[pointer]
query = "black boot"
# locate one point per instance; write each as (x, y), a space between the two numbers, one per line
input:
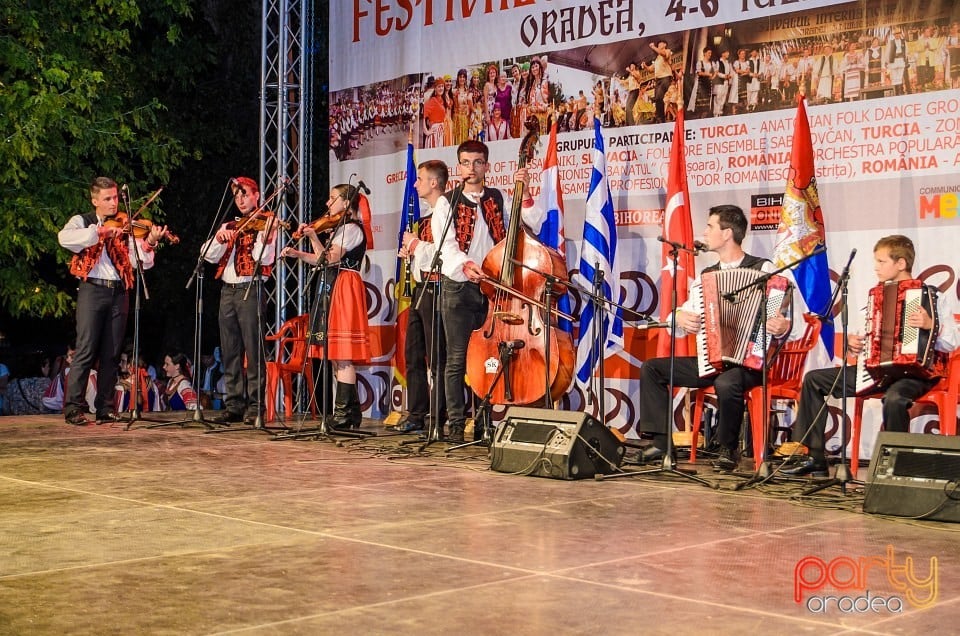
(341, 406)
(354, 412)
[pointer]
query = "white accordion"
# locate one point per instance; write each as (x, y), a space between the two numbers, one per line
(732, 328)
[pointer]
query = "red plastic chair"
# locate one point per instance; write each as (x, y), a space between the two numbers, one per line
(943, 396)
(291, 359)
(784, 379)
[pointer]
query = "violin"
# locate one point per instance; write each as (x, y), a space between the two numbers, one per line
(322, 223)
(141, 227)
(256, 222)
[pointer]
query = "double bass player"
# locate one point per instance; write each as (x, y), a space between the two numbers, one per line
(479, 223)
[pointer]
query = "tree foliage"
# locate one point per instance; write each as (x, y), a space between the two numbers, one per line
(120, 88)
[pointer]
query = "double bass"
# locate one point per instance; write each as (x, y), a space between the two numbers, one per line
(515, 329)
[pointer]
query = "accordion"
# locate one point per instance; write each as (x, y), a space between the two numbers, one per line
(731, 329)
(891, 348)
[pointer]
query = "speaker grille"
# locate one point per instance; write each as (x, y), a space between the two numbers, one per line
(926, 465)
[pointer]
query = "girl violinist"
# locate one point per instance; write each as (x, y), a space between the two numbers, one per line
(346, 329)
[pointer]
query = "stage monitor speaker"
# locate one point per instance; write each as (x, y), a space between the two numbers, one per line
(557, 444)
(914, 475)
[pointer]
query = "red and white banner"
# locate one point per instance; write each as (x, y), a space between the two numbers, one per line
(881, 78)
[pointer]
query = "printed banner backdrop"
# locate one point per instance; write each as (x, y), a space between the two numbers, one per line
(881, 79)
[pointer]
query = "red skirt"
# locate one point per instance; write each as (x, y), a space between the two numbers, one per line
(348, 330)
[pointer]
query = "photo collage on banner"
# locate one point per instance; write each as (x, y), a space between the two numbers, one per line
(881, 82)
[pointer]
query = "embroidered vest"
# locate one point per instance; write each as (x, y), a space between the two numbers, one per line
(243, 262)
(425, 232)
(354, 258)
(82, 263)
(491, 203)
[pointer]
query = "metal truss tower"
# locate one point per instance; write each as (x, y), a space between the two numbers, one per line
(286, 104)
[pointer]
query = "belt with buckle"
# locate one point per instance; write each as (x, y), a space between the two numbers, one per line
(106, 282)
(236, 285)
(427, 277)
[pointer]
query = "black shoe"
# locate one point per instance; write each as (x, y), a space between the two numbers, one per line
(650, 455)
(455, 436)
(809, 466)
(106, 416)
(77, 419)
(727, 460)
(227, 418)
(409, 426)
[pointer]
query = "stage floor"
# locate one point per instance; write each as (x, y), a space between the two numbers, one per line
(173, 531)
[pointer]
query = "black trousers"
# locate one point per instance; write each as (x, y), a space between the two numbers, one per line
(101, 322)
(811, 424)
(462, 309)
(418, 353)
(656, 402)
(241, 335)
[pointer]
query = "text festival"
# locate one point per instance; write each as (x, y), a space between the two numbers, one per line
(556, 26)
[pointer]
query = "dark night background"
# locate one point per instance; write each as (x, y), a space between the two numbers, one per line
(192, 198)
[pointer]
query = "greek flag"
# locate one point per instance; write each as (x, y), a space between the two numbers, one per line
(598, 253)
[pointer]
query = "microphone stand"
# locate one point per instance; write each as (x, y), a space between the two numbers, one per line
(483, 416)
(197, 274)
(259, 358)
(434, 425)
(549, 281)
(842, 475)
(320, 314)
(669, 464)
(139, 282)
(763, 472)
(601, 304)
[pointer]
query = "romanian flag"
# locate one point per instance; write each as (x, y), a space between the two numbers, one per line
(411, 216)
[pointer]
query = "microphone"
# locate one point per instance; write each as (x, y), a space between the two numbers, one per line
(846, 268)
(236, 184)
(287, 184)
(513, 345)
(125, 188)
(700, 247)
(673, 244)
(362, 187)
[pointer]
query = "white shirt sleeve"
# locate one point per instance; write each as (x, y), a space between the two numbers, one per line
(75, 237)
(949, 337)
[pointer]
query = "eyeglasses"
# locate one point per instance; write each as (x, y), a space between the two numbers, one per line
(476, 163)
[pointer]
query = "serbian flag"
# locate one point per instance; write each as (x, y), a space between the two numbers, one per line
(551, 200)
(678, 227)
(410, 212)
(801, 232)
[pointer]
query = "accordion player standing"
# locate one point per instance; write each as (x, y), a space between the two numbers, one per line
(724, 234)
(893, 258)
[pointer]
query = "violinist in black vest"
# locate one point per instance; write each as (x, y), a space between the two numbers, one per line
(479, 224)
(103, 261)
(347, 331)
(238, 248)
(724, 234)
